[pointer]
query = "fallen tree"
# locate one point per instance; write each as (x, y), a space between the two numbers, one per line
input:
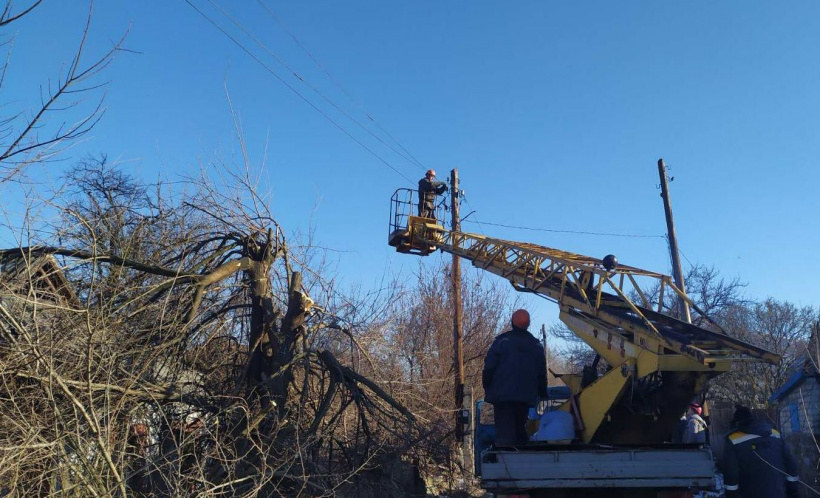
(170, 347)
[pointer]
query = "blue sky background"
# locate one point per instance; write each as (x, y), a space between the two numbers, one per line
(555, 114)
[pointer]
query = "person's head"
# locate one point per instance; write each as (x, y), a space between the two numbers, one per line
(431, 173)
(520, 320)
(695, 408)
(742, 416)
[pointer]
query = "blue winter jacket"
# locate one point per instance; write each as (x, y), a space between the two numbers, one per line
(758, 464)
(515, 369)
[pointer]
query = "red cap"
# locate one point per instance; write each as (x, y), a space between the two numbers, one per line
(431, 172)
(697, 408)
(521, 319)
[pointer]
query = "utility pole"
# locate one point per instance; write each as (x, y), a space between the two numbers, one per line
(458, 338)
(673, 240)
(458, 354)
(815, 336)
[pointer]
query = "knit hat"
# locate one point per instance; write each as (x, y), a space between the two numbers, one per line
(743, 415)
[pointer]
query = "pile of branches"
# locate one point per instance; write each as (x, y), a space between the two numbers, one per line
(172, 349)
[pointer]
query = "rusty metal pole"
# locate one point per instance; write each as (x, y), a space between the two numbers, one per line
(673, 240)
(458, 349)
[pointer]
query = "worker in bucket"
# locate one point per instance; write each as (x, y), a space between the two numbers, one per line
(695, 431)
(429, 188)
(514, 378)
(757, 462)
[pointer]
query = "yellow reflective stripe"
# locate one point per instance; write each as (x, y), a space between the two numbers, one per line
(742, 438)
(775, 433)
(732, 487)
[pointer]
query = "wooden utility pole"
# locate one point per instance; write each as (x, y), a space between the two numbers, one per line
(464, 403)
(458, 350)
(815, 337)
(673, 239)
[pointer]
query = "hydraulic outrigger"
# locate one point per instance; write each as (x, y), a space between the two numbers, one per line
(658, 363)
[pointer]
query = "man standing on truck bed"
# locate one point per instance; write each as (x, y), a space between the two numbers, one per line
(758, 464)
(695, 431)
(429, 188)
(514, 378)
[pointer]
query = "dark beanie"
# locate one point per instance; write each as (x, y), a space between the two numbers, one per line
(743, 415)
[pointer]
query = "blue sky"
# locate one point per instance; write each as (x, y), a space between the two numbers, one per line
(555, 114)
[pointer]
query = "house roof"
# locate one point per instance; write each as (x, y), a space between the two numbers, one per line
(807, 371)
(20, 273)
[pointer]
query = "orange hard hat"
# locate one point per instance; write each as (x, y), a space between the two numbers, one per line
(521, 319)
(431, 172)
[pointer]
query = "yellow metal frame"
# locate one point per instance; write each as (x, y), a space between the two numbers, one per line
(595, 400)
(596, 305)
(564, 277)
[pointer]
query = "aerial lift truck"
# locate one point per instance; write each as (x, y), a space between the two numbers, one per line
(624, 418)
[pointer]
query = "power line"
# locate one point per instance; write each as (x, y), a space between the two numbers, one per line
(294, 90)
(337, 82)
(472, 210)
(682, 254)
(577, 232)
(305, 81)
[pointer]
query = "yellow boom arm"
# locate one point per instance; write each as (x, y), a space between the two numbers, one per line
(658, 363)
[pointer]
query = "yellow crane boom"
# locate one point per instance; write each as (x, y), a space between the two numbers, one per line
(657, 362)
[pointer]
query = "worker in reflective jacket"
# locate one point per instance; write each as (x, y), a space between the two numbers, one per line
(695, 431)
(514, 378)
(429, 188)
(757, 462)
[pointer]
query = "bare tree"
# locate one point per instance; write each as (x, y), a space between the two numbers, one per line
(30, 134)
(778, 326)
(713, 295)
(180, 353)
(165, 343)
(419, 352)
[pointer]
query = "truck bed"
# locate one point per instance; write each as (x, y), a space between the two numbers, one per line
(505, 470)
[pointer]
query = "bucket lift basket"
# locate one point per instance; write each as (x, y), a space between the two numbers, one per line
(411, 234)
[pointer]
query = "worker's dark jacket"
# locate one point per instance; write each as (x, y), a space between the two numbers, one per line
(515, 369)
(758, 464)
(428, 190)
